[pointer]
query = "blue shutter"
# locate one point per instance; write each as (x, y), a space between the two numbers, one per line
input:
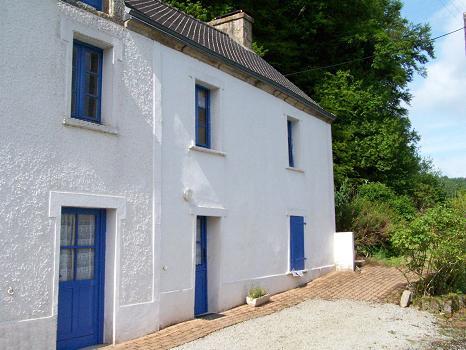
(290, 144)
(296, 243)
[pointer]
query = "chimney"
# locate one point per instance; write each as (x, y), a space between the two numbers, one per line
(238, 26)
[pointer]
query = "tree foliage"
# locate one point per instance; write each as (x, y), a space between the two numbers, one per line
(454, 186)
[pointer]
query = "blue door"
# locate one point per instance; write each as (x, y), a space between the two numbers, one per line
(200, 297)
(297, 243)
(81, 278)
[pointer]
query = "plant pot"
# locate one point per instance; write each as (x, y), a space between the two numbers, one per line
(258, 301)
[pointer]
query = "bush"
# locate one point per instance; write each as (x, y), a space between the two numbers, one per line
(372, 225)
(434, 245)
(375, 212)
(379, 193)
(376, 192)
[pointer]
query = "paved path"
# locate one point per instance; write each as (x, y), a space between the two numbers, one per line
(373, 283)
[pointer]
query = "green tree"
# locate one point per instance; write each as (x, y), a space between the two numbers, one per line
(369, 142)
(454, 186)
(200, 10)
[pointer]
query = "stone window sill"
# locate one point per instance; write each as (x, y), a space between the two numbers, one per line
(298, 273)
(207, 150)
(297, 170)
(82, 124)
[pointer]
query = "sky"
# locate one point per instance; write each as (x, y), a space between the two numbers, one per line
(438, 108)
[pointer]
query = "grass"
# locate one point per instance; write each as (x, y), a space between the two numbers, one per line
(383, 258)
(256, 292)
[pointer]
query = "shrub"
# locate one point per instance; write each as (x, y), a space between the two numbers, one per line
(375, 212)
(256, 292)
(404, 207)
(376, 192)
(434, 245)
(372, 225)
(379, 193)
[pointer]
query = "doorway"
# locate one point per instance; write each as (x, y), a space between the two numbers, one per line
(81, 278)
(200, 293)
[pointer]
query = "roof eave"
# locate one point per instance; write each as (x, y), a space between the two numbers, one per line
(327, 116)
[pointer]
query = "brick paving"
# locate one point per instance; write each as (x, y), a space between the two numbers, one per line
(372, 283)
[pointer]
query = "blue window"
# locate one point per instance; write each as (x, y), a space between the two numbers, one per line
(290, 144)
(297, 243)
(202, 117)
(86, 94)
(94, 3)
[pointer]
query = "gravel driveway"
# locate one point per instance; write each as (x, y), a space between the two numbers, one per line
(319, 324)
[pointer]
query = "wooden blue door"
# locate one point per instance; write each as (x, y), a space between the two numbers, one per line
(297, 243)
(81, 278)
(200, 293)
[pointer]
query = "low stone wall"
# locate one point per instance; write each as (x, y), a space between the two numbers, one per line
(444, 304)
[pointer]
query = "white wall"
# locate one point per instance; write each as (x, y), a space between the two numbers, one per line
(122, 167)
(251, 181)
(38, 154)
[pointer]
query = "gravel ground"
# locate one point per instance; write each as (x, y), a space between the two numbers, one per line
(319, 324)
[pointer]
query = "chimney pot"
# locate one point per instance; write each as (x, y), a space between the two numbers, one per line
(238, 26)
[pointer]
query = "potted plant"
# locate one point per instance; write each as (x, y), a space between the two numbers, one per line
(257, 296)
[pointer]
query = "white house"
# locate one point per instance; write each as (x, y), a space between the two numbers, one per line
(151, 169)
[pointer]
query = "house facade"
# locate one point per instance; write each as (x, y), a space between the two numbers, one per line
(151, 169)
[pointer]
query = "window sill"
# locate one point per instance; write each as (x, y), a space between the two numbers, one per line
(297, 170)
(297, 273)
(82, 124)
(207, 150)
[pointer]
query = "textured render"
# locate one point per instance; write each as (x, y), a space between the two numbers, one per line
(134, 179)
(38, 154)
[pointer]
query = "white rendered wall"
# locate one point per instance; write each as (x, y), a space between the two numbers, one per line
(344, 251)
(38, 155)
(150, 257)
(251, 182)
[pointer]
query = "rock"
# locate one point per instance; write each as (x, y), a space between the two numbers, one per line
(447, 307)
(462, 301)
(406, 298)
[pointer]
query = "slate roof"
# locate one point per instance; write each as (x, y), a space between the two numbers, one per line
(216, 43)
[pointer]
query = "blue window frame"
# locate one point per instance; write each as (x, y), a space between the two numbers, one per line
(94, 3)
(290, 144)
(86, 94)
(297, 258)
(203, 133)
